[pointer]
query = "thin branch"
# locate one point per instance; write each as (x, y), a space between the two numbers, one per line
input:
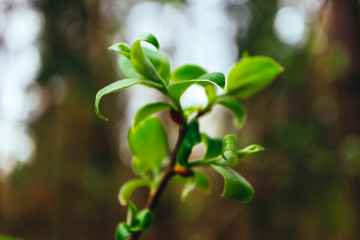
(154, 197)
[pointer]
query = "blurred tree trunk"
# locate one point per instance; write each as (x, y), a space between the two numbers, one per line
(69, 190)
(345, 29)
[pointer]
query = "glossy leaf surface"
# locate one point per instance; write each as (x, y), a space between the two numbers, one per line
(127, 69)
(251, 75)
(177, 89)
(143, 220)
(214, 146)
(153, 65)
(236, 108)
(249, 150)
(123, 231)
(148, 142)
(117, 86)
(148, 110)
(191, 138)
(235, 187)
(122, 48)
(187, 72)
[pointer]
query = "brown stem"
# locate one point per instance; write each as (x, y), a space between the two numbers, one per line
(169, 172)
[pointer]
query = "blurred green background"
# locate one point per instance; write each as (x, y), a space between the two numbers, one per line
(61, 167)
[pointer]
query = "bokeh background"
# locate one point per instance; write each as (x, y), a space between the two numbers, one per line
(61, 167)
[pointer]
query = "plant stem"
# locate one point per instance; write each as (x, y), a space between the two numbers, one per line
(169, 172)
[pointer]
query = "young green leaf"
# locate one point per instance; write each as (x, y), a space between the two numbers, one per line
(131, 213)
(191, 138)
(190, 185)
(199, 180)
(214, 146)
(123, 231)
(143, 220)
(116, 86)
(249, 150)
(160, 60)
(127, 69)
(129, 187)
(148, 141)
(187, 72)
(251, 75)
(202, 181)
(236, 187)
(216, 77)
(236, 108)
(177, 89)
(148, 37)
(122, 48)
(148, 110)
(210, 91)
(229, 150)
(153, 65)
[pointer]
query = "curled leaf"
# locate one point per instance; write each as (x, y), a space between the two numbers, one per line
(148, 110)
(214, 146)
(153, 65)
(122, 48)
(123, 231)
(129, 187)
(235, 187)
(131, 213)
(143, 220)
(229, 150)
(249, 150)
(117, 86)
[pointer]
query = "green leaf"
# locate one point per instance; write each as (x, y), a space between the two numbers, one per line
(148, 37)
(251, 75)
(129, 187)
(202, 181)
(216, 77)
(199, 180)
(143, 220)
(236, 108)
(153, 65)
(177, 89)
(160, 60)
(214, 146)
(229, 150)
(148, 110)
(131, 214)
(116, 86)
(236, 187)
(187, 72)
(127, 69)
(148, 142)
(211, 95)
(122, 48)
(249, 150)
(190, 185)
(123, 231)
(191, 138)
